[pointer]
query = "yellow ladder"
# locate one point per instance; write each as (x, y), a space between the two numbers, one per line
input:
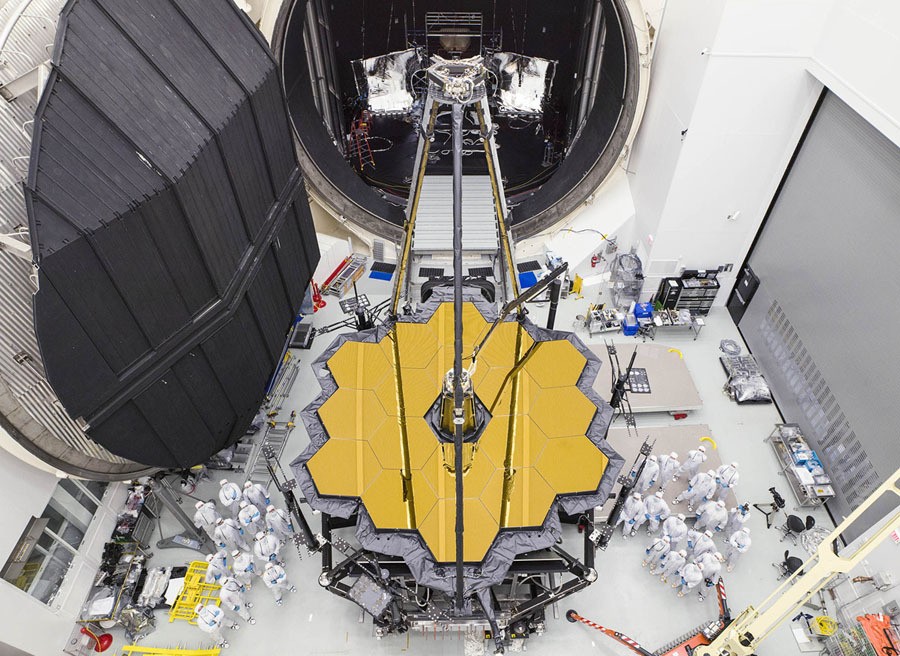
(196, 591)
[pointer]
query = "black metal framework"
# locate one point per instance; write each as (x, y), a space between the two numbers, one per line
(519, 602)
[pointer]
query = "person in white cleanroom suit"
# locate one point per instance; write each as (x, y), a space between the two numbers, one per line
(231, 595)
(703, 544)
(700, 488)
(668, 465)
(217, 568)
(656, 551)
(712, 515)
(243, 567)
(228, 534)
(737, 518)
(691, 576)
(276, 580)
(671, 564)
(206, 517)
(649, 475)
(711, 565)
(256, 494)
(279, 524)
(209, 620)
(691, 464)
(675, 528)
(631, 510)
(655, 510)
(230, 496)
(737, 543)
(726, 479)
(266, 547)
(250, 519)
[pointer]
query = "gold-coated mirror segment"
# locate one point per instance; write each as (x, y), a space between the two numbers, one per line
(529, 497)
(352, 413)
(572, 464)
(563, 411)
(438, 530)
(358, 365)
(421, 388)
(500, 350)
(556, 364)
(385, 443)
(344, 468)
(474, 328)
(525, 447)
(386, 502)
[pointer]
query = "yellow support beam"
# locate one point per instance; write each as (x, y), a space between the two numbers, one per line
(144, 650)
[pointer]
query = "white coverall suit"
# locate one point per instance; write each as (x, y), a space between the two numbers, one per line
(232, 596)
(691, 576)
(691, 465)
(712, 515)
(250, 519)
(243, 567)
(701, 487)
(649, 475)
(266, 548)
(631, 510)
(206, 517)
(217, 568)
(209, 620)
(276, 580)
(737, 544)
(668, 465)
(257, 495)
(670, 564)
(675, 528)
(230, 496)
(737, 518)
(703, 545)
(656, 552)
(229, 534)
(655, 510)
(726, 478)
(711, 568)
(278, 522)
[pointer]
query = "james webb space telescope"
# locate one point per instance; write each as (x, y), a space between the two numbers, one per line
(451, 438)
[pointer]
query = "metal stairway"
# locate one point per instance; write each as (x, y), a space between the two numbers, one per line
(434, 220)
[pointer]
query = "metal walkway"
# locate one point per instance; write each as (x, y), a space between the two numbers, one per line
(434, 219)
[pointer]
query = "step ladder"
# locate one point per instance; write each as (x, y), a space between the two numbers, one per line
(353, 269)
(275, 437)
(284, 382)
(359, 151)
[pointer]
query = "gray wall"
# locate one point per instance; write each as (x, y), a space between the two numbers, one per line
(824, 321)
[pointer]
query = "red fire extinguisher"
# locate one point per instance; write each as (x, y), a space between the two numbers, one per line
(594, 259)
(318, 301)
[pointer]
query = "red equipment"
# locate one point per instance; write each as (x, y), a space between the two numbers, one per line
(318, 301)
(594, 260)
(703, 635)
(102, 642)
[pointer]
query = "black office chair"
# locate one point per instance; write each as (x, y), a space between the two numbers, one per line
(788, 566)
(794, 526)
